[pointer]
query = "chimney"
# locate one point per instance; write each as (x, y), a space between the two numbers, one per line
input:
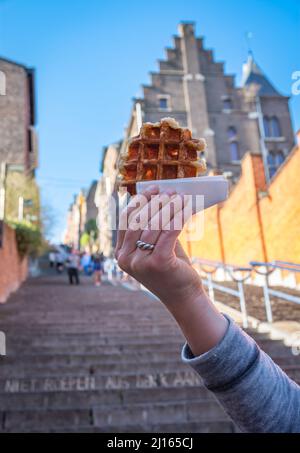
(186, 28)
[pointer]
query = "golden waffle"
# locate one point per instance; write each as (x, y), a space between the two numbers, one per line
(161, 151)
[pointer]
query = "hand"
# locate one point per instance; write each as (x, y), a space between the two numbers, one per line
(166, 271)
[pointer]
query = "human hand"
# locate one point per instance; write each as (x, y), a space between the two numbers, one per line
(166, 271)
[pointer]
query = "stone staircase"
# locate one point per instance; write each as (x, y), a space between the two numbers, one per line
(85, 359)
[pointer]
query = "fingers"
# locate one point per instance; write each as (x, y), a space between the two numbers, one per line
(168, 237)
(160, 219)
(135, 205)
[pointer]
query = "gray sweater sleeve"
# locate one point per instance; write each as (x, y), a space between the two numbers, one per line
(254, 391)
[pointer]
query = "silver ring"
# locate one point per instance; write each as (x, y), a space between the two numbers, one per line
(144, 245)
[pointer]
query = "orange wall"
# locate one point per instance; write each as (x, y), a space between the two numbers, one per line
(13, 271)
(256, 222)
(281, 213)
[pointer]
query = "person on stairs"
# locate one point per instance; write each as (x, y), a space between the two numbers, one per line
(257, 395)
(73, 266)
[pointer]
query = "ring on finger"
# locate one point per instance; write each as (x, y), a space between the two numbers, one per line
(144, 245)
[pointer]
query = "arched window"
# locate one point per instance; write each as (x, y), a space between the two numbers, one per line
(279, 158)
(272, 127)
(275, 127)
(231, 133)
(227, 104)
(2, 83)
(233, 143)
(275, 159)
(267, 126)
(234, 151)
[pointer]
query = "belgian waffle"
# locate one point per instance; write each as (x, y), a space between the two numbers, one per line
(161, 151)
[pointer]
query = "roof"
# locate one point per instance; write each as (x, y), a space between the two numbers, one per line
(14, 63)
(252, 74)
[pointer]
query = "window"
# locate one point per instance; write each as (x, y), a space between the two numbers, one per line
(275, 127)
(164, 103)
(272, 126)
(227, 104)
(231, 133)
(29, 140)
(233, 143)
(267, 127)
(234, 151)
(275, 159)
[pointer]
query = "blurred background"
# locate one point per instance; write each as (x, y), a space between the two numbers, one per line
(77, 80)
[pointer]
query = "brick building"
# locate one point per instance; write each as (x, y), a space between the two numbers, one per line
(18, 142)
(18, 160)
(193, 88)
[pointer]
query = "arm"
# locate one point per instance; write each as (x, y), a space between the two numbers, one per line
(253, 390)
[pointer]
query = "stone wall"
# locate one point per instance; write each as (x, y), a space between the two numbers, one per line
(13, 270)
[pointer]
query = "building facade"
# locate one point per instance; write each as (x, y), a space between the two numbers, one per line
(76, 221)
(91, 208)
(18, 140)
(193, 88)
(106, 199)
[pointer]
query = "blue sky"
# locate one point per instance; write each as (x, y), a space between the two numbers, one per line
(91, 57)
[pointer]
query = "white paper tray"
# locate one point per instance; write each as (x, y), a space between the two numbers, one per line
(213, 188)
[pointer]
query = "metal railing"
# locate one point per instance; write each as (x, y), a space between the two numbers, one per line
(266, 269)
(238, 274)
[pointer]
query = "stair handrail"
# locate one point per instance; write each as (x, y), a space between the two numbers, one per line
(270, 267)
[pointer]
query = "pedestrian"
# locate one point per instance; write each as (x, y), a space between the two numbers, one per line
(254, 391)
(73, 265)
(98, 268)
(86, 263)
(51, 259)
(59, 262)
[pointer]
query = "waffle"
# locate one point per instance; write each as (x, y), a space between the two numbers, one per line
(161, 151)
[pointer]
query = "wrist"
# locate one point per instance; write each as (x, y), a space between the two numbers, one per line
(201, 323)
(177, 299)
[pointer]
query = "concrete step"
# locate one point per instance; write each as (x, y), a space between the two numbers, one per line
(150, 348)
(95, 340)
(105, 417)
(148, 344)
(113, 357)
(113, 369)
(116, 367)
(212, 427)
(108, 360)
(87, 399)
